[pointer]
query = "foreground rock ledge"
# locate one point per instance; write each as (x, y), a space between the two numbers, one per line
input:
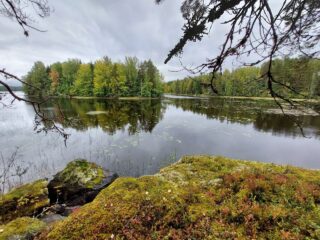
(24, 228)
(26, 200)
(202, 197)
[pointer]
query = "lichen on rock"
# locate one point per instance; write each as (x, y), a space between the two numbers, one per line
(79, 182)
(202, 197)
(26, 200)
(24, 228)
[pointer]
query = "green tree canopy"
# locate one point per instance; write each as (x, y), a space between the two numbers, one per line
(300, 74)
(83, 84)
(38, 78)
(102, 78)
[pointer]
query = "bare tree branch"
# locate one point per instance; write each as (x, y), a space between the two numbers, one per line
(40, 116)
(254, 28)
(17, 11)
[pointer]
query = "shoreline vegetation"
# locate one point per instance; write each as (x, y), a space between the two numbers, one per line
(133, 79)
(103, 78)
(199, 197)
(170, 95)
(313, 100)
(108, 98)
(296, 78)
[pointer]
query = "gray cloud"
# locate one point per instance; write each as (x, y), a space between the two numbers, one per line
(89, 30)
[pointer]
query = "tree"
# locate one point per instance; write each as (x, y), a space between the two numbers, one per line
(190, 88)
(117, 80)
(155, 79)
(142, 77)
(55, 75)
(69, 75)
(83, 84)
(150, 80)
(254, 27)
(37, 78)
(131, 72)
(101, 79)
(102, 75)
(299, 73)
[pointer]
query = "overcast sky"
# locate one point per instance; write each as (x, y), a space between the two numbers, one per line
(89, 30)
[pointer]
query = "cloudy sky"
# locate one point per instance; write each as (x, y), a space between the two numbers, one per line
(89, 30)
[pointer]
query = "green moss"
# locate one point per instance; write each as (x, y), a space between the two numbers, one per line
(203, 197)
(35, 188)
(24, 201)
(82, 172)
(21, 228)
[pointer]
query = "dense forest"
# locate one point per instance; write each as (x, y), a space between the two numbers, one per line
(103, 78)
(299, 74)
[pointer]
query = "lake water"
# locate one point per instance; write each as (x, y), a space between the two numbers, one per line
(138, 137)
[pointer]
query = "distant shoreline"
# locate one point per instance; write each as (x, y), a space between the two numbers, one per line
(92, 97)
(169, 95)
(242, 97)
(109, 98)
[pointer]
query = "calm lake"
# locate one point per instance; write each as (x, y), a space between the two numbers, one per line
(138, 137)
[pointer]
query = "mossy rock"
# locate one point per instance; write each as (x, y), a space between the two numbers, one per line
(79, 183)
(24, 228)
(27, 200)
(202, 197)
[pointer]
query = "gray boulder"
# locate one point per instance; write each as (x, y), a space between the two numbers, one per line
(79, 183)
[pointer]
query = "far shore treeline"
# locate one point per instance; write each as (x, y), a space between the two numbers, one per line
(102, 78)
(134, 78)
(300, 74)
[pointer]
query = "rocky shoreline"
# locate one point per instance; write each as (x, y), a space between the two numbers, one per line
(199, 197)
(44, 202)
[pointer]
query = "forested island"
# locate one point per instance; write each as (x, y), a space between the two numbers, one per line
(296, 77)
(103, 78)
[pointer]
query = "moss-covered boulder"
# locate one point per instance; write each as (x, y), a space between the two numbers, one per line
(27, 200)
(24, 228)
(79, 183)
(202, 197)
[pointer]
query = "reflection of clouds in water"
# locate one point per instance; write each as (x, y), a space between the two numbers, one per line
(138, 138)
(165, 135)
(122, 143)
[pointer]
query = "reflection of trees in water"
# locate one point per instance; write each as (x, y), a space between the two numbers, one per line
(144, 115)
(285, 125)
(277, 124)
(109, 115)
(246, 112)
(219, 109)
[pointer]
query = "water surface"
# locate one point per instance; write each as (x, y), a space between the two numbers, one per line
(138, 137)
